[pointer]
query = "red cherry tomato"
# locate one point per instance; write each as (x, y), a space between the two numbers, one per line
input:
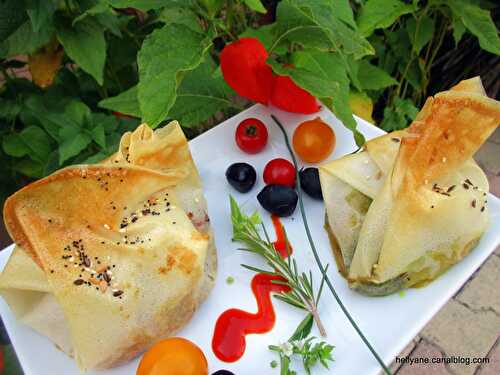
(251, 135)
(280, 172)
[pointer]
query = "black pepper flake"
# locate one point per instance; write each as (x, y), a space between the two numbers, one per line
(106, 277)
(432, 206)
(482, 209)
(450, 189)
(134, 219)
(473, 203)
(51, 271)
(466, 187)
(50, 220)
(468, 181)
(397, 140)
(78, 282)
(118, 293)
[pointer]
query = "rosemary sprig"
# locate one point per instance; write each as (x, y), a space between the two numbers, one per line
(322, 268)
(302, 293)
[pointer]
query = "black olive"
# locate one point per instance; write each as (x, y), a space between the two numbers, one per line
(241, 176)
(309, 182)
(223, 372)
(280, 200)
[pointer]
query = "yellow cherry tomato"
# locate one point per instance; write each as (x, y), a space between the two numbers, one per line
(313, 140)
(173, 356)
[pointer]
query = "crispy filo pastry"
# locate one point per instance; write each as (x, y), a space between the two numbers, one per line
(112, 257)
(413, 202)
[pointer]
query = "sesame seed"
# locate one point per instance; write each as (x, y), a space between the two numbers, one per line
(107, 226)
(444, 159)
(78, 282)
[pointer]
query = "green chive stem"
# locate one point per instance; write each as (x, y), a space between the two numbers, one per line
(316, 256)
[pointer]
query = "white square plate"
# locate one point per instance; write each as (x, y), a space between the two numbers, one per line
(388, 322)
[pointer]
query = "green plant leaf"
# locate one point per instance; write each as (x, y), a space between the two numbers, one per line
(255, 5)
(181, 15)
(372, 77)
(376, 14)
(266, 35)
(25, 41)
(399, 115)
(126, 103)
(13, 145)
(421, 32)
(84, 43)
(316, 24)
(458, 29)
(40, 13)
(12, 16)
(74, 140)
(165, 56)
(200, 96)
(32, 141)
(143, 5)
(9, 109)
(324, 76)
(97, 134)
(30, 168)
(478, 21)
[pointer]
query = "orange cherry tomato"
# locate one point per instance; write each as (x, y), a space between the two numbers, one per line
(173, 356)
(313, 140)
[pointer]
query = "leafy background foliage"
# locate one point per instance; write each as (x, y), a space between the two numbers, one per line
(99, 67)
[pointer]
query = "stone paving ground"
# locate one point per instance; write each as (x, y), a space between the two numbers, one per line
(469, 324)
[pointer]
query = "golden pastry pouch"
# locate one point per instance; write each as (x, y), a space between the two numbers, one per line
(112, 257)
(413, 202)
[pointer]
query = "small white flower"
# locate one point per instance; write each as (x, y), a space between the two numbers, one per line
(299, 344)
(287, 349)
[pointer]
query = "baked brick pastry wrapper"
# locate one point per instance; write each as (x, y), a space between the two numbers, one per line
(413, 202)
(112, 257)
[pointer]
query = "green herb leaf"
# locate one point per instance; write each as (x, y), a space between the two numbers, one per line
(376, 14)
(200, 96)
(126, 103)
(303, 329)
(85, 44)
(166, 55)
(478, 21)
